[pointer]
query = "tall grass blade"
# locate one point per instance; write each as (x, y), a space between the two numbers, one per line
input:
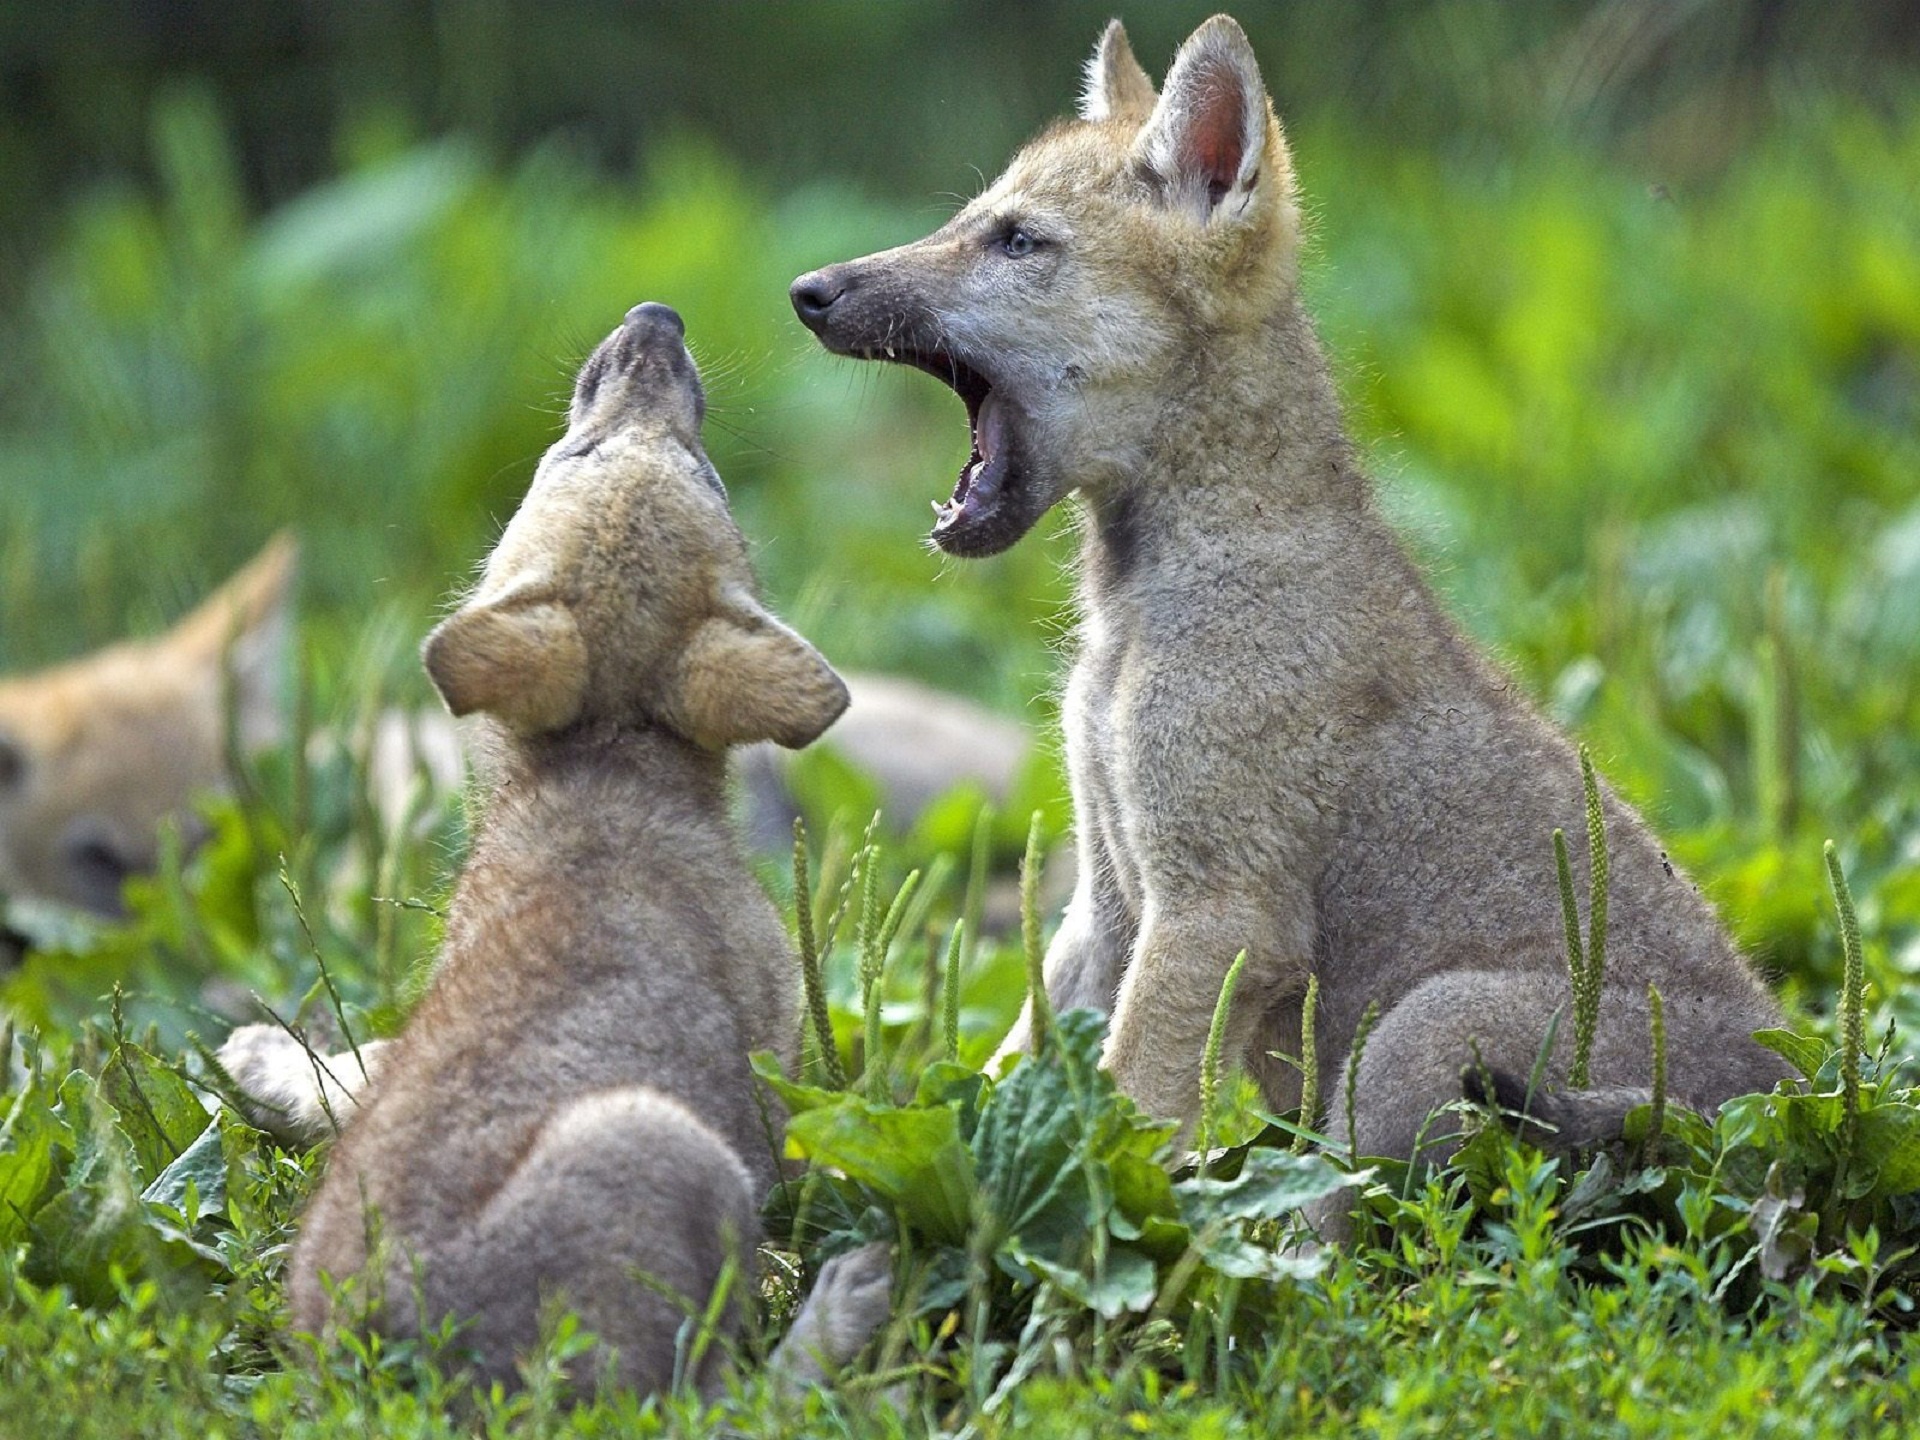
(873, 985)
(950, 992)
(1042, 1007)
(811, 979)
(326, 976)
(1569, 912)
(979, 856)
(1598, 874)
(1368, 1019)
(1309, 1064)
(1210, 1058)
(1853, 1000)
(1590, 974)
(1657, 1024)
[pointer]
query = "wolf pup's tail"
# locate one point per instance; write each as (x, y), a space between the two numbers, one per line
(1559, 1122)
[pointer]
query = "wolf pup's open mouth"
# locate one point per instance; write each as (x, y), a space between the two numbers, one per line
(987, 510)
(857, 311)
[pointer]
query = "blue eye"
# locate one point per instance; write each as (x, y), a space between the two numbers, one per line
(1018, 244)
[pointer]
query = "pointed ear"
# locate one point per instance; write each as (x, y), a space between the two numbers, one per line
(1206, 140)
(244, 630)
(518, 657)
(1116, 87)
(745, 677)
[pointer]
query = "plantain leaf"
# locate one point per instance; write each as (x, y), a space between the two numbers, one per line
(912, 1160)
(157, 1110)
(27, 1143)
(1803, 1052)
(1271, 1183)
(203, 1165)
(1125, 1283)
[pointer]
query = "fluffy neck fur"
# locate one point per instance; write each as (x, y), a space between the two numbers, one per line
(599, 809)
(596, 757)
(1188, 493)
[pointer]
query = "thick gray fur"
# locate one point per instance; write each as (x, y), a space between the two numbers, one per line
(569, 1116)
(1277, 739)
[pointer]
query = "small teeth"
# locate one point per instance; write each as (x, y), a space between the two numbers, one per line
(888, 351)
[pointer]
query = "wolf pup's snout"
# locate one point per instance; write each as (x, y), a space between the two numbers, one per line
(648, 348)
(814, 294)
(651, 315)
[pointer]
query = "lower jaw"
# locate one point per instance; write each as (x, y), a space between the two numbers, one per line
(977, 539)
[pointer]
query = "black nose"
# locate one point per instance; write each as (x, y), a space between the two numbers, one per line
(654, 315)
(97, 865)
(814, 295)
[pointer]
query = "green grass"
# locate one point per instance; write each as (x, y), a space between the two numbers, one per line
(1752, 1273)
(1659, 452)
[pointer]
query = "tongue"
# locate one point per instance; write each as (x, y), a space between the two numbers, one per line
(989, 428)
(977, 496)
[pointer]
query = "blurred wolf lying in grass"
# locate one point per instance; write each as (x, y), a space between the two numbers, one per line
(569, 1115)
(1277, 740)
(97, 755)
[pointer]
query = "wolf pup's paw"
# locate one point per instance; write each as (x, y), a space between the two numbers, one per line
(851, 1300)
(286, 1090)
(258, 1059)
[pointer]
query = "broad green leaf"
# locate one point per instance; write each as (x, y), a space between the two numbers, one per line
(27, 1142)
(202, 1164)
(1483, 1160)
(948, 1278)
(158, 1111)
(914, 1160)
(1889, 1133)
(1225, 1163)
(946, 1081)
(1805, 1053)
(1032, 1180)
(1271, 1183)
(796, 1095)
(1231, 1253)
(96, 1223)
(961, 1086)
(1126, 1281)
(1142, 1191)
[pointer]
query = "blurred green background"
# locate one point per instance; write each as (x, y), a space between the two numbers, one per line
(1625, 298)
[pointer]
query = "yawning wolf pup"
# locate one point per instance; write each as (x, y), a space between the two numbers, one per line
(1277, 741)
(570, 1115)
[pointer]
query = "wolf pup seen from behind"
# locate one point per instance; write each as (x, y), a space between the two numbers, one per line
(1276, 739)
(569, 1116)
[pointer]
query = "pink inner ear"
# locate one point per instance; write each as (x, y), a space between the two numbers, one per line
(1215, 139)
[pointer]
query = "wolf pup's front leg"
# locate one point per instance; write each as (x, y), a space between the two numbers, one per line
(1088, 955)
(1173, 984)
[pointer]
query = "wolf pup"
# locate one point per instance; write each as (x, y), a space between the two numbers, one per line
(1276, 739)
(97, 753)
(569, 1117)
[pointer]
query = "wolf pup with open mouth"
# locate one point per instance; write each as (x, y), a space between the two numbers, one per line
(570, 1116)
(1277, 740)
